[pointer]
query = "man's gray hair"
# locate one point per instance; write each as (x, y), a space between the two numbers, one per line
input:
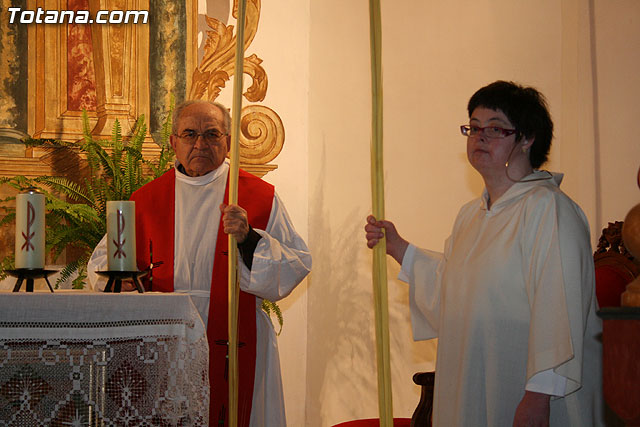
(178, 111)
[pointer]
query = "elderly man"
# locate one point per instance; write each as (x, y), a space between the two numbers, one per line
(180, 214)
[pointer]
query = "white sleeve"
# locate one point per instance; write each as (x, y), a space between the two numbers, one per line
(559, 286)
(425, 279)
(98, 262)
(547, 382)
(281, 259)
(407, 262)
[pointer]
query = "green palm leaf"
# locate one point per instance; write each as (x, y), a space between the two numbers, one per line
(78, 265)
(7, 263)
(65, 186)
(271, 307)
(76, 211)
(9, 218)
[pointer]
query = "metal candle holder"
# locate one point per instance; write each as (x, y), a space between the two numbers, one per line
(30, 274)
(114, 284)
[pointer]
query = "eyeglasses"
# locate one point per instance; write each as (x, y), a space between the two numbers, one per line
(210, 136)
(489, 131)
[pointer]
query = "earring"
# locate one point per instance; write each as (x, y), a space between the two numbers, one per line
(524, 150)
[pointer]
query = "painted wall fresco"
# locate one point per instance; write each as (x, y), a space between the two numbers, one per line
(13, 74)
(167, 59)
(81, 88)
(123, 71)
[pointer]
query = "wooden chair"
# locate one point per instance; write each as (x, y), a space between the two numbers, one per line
(422, 415)
(615, 267)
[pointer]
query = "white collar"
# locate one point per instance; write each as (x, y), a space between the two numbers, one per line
(536, 178)
(204, 179)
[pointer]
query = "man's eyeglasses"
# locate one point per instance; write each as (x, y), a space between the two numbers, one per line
(489, 131)
(210, 136)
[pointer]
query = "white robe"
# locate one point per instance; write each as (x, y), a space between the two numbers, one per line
(280, 262)
(512, 296)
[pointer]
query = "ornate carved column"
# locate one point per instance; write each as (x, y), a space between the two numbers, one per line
(262, 131)
(116, 57)
(167, 58)
(13, 81)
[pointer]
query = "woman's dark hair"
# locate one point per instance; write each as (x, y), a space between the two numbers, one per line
(526, 108)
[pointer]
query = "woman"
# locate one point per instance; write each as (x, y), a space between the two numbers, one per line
(511, 299)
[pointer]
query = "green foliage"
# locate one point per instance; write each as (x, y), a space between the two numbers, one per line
(270, 307)
(76, 211)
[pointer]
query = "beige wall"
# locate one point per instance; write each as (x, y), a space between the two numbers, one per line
(436, 54)
(286, 59)
(617, 47)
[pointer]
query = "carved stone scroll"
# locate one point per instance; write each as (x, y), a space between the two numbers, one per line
(262, 135)
(262, 131)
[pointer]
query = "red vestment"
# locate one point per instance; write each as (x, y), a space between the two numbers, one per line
(155, 222)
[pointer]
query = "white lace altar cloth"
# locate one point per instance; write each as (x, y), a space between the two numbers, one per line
(95, 359)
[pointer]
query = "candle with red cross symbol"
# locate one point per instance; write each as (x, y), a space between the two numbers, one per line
(30, 229)
(121, 235)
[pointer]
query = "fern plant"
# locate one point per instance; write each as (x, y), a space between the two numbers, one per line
(270, 308)
(76, 211)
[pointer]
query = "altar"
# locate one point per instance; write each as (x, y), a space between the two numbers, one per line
(96, 359)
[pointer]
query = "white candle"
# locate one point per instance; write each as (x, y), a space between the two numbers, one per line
(121, 235)
(30, 230)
